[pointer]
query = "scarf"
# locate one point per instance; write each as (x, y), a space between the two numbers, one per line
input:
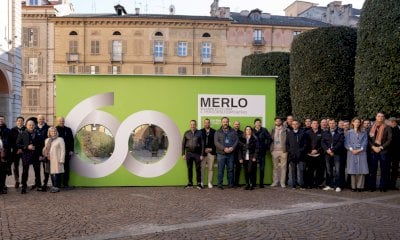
(46, 152)
(378, 137)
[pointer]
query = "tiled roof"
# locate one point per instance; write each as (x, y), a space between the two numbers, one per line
(159, 16)
(275, 20)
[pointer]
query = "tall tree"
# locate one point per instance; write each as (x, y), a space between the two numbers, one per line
(272, 64)
(377, 71)
(322, 73)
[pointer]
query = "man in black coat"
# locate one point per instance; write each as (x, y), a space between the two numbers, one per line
(4, 154)
(238, 165)
(332, 144)
(315, 163)
(66, 133)
(296, 147)
(41, 130)
(264, 141)
(16, 154)
(28, 143)
(394, 153)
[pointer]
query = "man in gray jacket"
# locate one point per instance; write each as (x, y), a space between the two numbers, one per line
(225, 140)
(279, 153)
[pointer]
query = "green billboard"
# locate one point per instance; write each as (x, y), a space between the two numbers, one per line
(128, 129)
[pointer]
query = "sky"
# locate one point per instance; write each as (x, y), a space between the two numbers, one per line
(192, 7)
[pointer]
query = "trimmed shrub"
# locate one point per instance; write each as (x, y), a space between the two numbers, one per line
(377, 71)
(322, 73)
(272, 64)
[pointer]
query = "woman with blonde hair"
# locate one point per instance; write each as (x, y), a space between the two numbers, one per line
(54, 151)
(356, 142)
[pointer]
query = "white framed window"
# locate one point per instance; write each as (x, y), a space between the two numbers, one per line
(116, 69)
(33, 2)
(257, 35)
(33, 66)
(182, 49)
(116, 50)
(94, 69)
(158, 51)
(206, 52)
(182, 71)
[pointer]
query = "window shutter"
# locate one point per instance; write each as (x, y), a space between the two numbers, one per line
(124, 47)
(166, 48)
(151, 47)
(176, 47)
(26, 65)
(25, 37)
(87, 69)
(189, 49)
(35, 36)
(200, 49)
(40, 65)
(110, 42)
(110, 69)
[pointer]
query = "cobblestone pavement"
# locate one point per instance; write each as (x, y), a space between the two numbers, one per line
(177, 213)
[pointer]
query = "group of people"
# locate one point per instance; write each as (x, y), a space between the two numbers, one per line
(312, 154)
(35, 143)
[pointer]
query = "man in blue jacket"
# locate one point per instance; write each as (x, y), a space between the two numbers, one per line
(332, 144)
(226, 141)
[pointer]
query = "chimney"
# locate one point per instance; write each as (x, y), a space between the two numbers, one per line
(119, 9)
(137, 11)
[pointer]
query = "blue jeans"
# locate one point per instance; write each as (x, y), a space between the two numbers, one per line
(296, 174)
(383, 158)
(333, 175)
(225, 159)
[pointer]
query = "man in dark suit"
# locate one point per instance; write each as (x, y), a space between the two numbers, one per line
(332, 144)
(66, 133)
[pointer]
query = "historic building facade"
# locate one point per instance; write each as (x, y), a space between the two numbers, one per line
(38, 56)
(10, 60)
(135, 43)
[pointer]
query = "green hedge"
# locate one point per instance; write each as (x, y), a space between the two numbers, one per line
(272, 64)
(377, 71)
(322, 73)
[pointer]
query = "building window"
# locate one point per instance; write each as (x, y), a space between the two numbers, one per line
(206, 71)
(159, 70)
(116, 33)
(73, 33)
(182, 71)
(73, 46)
(158, 51)
(33, 66)
(95, 47)
(33, 94)
(158, 34)
(206, 52)
(94, 69)
(116, 52)
(30, 37)
(258, 39)
(33, 2)
(72, 69)
(206, 35)
(182, 49)
(114, 69)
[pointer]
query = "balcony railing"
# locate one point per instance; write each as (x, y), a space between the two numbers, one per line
(72, 57)
(205, 58)
(259, 41)
(116, 57)
(158, 59)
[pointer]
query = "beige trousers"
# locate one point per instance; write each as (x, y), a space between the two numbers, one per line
(357, 181)
(279, 159)
(209, 161)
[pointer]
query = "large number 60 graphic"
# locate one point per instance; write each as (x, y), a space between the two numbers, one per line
(86, 113)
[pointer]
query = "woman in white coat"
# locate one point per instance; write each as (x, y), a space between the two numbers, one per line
(54, 151)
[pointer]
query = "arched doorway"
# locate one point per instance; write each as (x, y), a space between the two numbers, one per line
(4, 95)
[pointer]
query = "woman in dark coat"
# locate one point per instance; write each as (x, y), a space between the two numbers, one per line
(248, 152)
